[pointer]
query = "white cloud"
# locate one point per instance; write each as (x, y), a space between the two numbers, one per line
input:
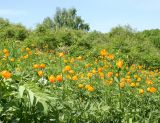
(11, 12)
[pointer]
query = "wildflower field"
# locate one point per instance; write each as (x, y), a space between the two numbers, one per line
(54, 86)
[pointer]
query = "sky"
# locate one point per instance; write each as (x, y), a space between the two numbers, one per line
(101, 15)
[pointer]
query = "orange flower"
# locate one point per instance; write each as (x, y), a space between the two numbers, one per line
(36, 66)
(101, 75)
(51, 78)
(61, 54)
(87, 86)
(72, 60)
(5, 51)
(40, 73)
(141, 91)
(12, 60)
(109, 74)
(100, 70)
(89, 75)
(74, 78)
(152, 89)
(132, 84)
(121, 84)
(119, 64)
(6, 54)
(79, 58)
(30, 52)
(94, 71)
(25, 56)
(59, 78)
(80, 85)
(42, 65)
(103, 52)
(6, 74)
(90, 88)
(67, 68)
(111, 56)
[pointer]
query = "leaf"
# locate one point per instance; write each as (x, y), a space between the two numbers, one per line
(45, 107)
(21, 91)
(116, 79)
(31, 97)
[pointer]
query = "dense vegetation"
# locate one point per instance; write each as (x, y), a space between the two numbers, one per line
(62, 72)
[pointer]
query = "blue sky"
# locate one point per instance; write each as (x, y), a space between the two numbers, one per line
(101, 15)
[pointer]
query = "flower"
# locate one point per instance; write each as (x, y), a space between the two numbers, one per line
(89, 88)
(141, 91)
(59, 78)
(12, 60)
(40, 73)
(132, 84)
(5, 51)
(67, 68)
(152, 89)
(111, 56)
(42, 65)
(80, 85)
(89, 75)
(36, 66)
(79, 58)
(121, 84)
(6, 74)
(51, 78)
(74, 78)
(103, 52)
(119, 64)
(61, 54)
(109, 74)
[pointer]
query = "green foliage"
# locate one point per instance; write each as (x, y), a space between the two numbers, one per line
(12, 31)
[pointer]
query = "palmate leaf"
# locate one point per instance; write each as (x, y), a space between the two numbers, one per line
(36, 95)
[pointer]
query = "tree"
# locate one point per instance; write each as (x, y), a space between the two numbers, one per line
(69, 19)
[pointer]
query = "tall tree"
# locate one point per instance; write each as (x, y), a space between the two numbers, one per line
(69, 19)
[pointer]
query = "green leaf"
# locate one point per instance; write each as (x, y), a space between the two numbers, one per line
(116, 79)
(31, 97)
(21, 91)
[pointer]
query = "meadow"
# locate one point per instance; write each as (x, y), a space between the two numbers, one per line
(61, 72)
(54, 86)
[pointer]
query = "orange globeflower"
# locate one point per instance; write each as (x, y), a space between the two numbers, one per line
(40, 73)
(51, 78)
(152, 89)
(119, 64)
(6, 74)
(6, 54)
(36, 66)
(59, 78)
(121, 84)
(109, 74)
(100, 70)
(42, 65)
(12, 60)
(103, 52)
(90, 88)
(141, 91)
(87, 86)
(80, 85)
(111, 56)
(74, 78)
(67, 68)
(79, 58)
(132, 84)
(61, 54)
(89, 75)
(5, 51)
